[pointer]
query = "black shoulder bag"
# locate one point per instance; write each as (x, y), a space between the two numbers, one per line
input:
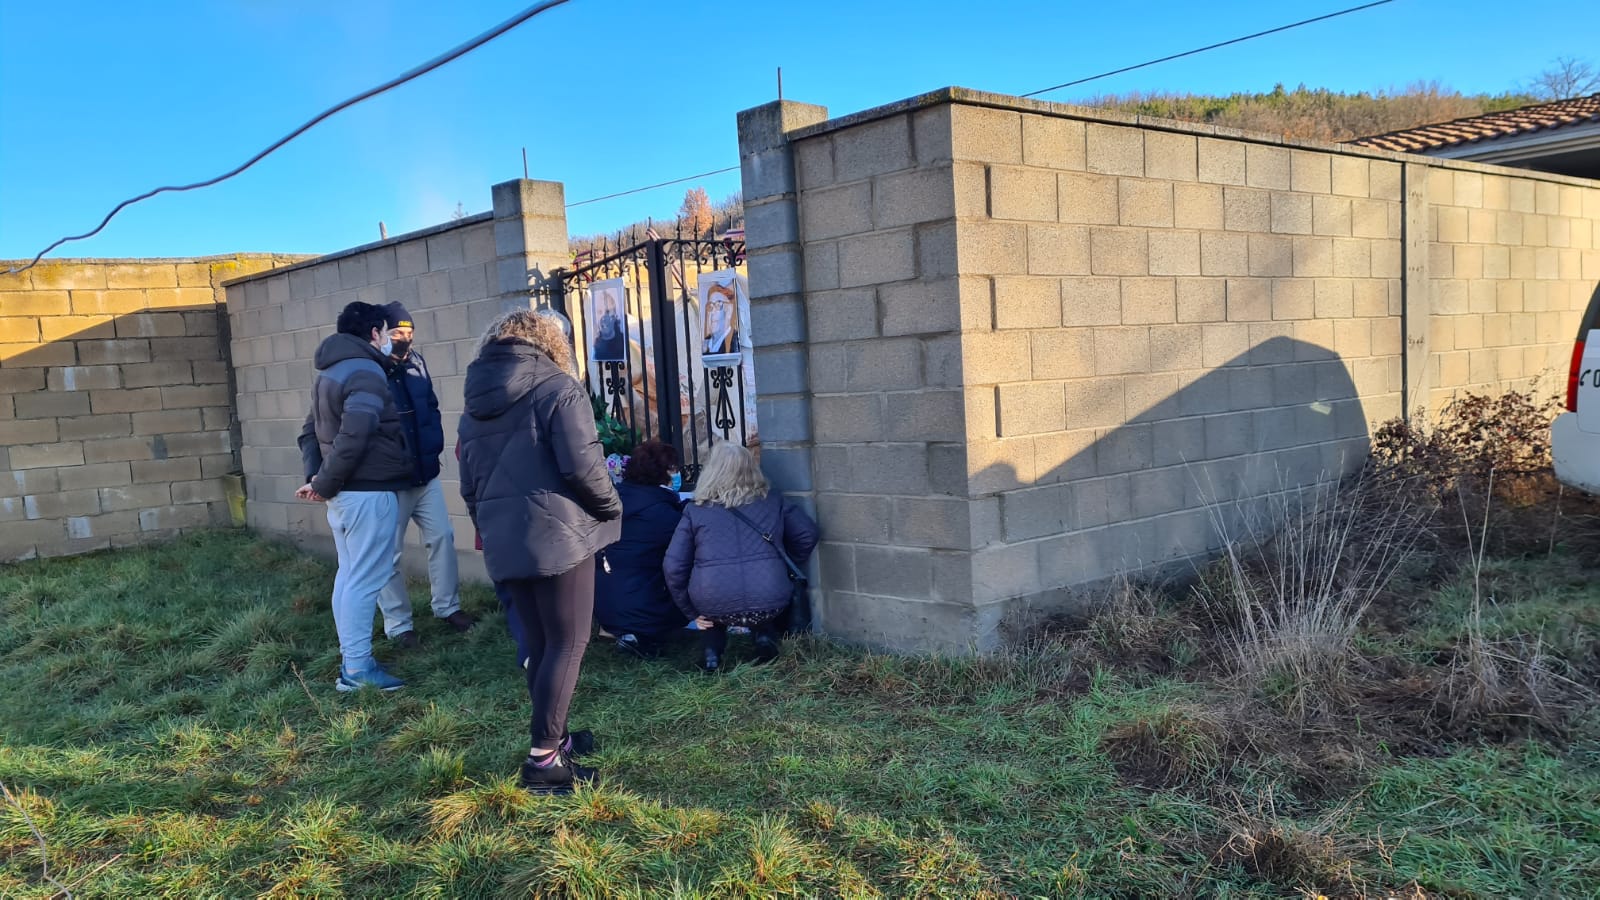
(797, 618)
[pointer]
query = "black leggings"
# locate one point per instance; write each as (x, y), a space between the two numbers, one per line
(555, 613)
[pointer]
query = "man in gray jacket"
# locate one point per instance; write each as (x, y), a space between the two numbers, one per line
(355, 456)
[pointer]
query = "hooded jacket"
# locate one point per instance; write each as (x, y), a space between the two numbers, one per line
(630, 591)
(411, 385)
(352, 439)
(532, 470)
(718, 566)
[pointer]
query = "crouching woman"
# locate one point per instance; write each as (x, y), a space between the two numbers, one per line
(723, 566)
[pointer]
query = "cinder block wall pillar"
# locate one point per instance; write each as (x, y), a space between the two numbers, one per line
(530, 235)
(777, 300)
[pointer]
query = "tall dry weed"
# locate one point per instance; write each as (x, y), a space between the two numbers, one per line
(1299, 570)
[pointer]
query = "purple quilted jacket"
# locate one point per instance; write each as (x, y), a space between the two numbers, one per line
(718, 566)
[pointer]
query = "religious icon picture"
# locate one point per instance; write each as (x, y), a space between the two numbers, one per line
(723, 305)
(606, 310)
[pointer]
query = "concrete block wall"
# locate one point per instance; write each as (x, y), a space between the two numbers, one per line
(455, 279)
(116, 421)
(884, 306)
(1162, 324)
(1511, 263)
(1044, 344)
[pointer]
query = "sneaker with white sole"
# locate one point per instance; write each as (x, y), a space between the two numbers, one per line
(372, 676)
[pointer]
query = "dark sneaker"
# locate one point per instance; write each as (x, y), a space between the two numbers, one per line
(556, 778)
(580, 743)
(766, 648)
(632, 646)
(373, 676)
(460, 621)
(711, 663)
(406, 640)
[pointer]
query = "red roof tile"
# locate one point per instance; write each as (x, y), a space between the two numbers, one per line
(1524, 120)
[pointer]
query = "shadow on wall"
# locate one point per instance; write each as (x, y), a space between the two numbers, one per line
(1158, 491)
(1149, 494)
(118, 429)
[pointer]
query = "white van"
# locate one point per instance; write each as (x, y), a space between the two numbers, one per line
(1575, 434)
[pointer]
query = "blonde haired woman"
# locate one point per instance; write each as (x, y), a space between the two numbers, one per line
(723, 567)
(534, 478)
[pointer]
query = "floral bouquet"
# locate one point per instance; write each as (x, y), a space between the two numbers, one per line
(615, 463)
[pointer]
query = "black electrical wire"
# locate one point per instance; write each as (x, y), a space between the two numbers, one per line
(652, 187)
(402, 78)
(1237, 40)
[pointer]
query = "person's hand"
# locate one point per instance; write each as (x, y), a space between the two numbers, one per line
(306, 493)
(703, 623)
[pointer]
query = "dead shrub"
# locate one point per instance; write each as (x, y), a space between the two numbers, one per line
(1482, 453)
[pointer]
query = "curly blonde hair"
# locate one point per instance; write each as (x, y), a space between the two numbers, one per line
(539, 330)
(730, 478)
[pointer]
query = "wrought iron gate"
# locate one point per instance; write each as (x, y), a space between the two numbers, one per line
(638, 333)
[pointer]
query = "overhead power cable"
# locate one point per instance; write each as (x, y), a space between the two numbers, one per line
(408, 75)
(651, 187)
(1237, 40)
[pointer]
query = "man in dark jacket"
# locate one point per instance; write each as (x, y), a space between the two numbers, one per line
(355, 457)
(423, 500)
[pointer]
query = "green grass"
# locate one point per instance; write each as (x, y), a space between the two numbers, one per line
(167, 721)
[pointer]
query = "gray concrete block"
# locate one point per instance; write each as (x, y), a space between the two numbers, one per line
(1058, 250)
(859, 518)
(893, 469)
(1267, 167)
(894, 571)
(813, 160)
(1030, 408)
(906, 198)
(941, 523)
(1115, 149)
(1244, 209)
(981, 134)
(836, 211)
(924, 416)
(1088, 302)
(770, 223)
(1130, 448)
(787, 419)
(1024, 194)
(1087, 199)
(1053, 143)
(889, 364)
(775, 271)
(924, 306)
(843, 418)
(844, 315)
(1094, 402)
(1179, 441)
(1221, 161)
(1036, 512)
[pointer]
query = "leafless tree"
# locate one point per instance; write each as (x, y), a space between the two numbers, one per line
(1566, 78)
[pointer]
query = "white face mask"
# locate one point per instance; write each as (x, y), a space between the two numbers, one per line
(387, 346)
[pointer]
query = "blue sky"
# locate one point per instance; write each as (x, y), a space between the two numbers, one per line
(104, 100)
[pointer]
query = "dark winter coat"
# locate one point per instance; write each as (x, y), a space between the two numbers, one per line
(352, 439)
(411, 385)
(718, 566)
(532, 471)
(632, 598)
